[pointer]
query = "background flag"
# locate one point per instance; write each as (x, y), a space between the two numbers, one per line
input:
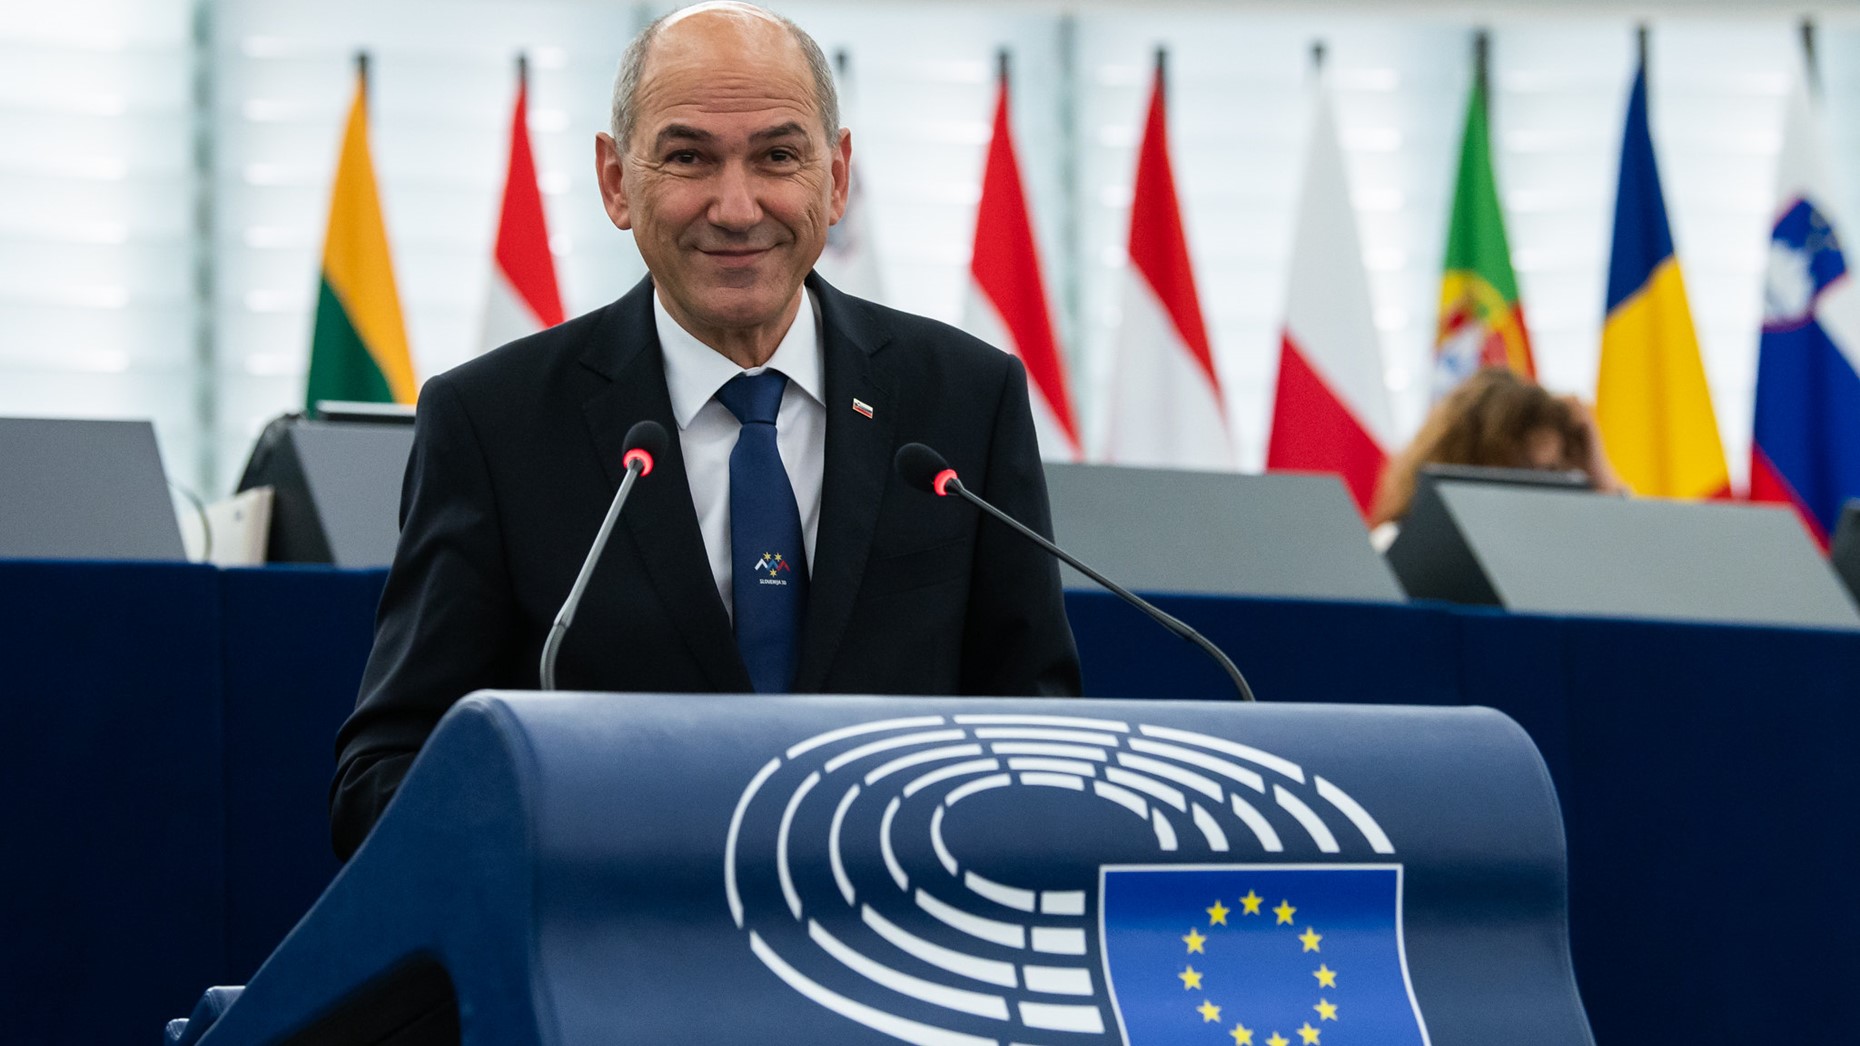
(1652, 405)
(1007, 303)
(1165, 399)
(1481, 319)
(524, 297)
(358, 348)
(1331, 410)
(850, 262)
(1806, 446)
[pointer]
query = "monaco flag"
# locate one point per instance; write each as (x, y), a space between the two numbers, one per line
(523, 297)
(1007, 299)
(1165, 397)
(1331, 410)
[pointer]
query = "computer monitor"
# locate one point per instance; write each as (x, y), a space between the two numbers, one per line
(75, 488)
(1845, 550)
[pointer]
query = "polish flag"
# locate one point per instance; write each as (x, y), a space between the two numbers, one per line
(523, 297)
(850, 260)
(1006, 303)
(1165, 398)
(1331, 412)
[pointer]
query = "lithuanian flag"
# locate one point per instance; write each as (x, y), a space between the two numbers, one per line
(1652, 404)
(1481, 319)
(358, 350)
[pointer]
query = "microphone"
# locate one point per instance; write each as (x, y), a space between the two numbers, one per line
(925, 469)
(645, 441)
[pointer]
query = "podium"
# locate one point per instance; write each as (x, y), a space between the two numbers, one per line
(626, 868)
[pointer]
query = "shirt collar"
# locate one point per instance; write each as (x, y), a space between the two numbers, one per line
(694, 371)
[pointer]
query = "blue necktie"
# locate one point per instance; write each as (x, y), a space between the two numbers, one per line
(768, 556)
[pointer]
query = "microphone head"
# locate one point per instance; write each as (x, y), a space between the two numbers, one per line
(645, 441)
(924, 468)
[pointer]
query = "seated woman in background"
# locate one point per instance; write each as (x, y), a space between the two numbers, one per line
(1500, 419)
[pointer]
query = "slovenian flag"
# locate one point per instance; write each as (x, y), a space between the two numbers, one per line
(1331, 410)
(524, 297)
(1481, 318)
(358, 348)
(1007, 303)
(1652, 404)
(1806, 446)
(1165, 404)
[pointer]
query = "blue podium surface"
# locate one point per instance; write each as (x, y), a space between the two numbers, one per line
(605, 868)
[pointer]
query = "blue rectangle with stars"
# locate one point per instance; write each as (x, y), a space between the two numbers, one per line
(1258, 955)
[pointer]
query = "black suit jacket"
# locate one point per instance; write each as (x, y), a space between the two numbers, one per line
(516, 457)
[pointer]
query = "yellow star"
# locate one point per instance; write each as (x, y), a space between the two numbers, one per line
(1217, 915)
(1327, 1010)
(1195, 940)
(1191, 978)
(1311, 938)
(1249, 905)
(1243, 1035)
(1209, 1011)
(1278, 1040)
(1327, 977)
(778, 557)
(1285, 911)
(1309, 1034)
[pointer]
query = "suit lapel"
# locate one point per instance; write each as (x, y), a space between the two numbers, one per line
(858, 460)
(659, 519)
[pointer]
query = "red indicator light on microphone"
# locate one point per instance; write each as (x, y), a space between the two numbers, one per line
(941, 483)
(640, 455)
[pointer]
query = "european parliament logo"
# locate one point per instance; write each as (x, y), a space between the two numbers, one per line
(1258, 955)
(1139, 904)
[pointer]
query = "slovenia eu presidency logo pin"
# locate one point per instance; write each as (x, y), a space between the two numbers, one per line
(1046, 880)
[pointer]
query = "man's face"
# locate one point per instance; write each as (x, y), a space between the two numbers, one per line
(729, 182)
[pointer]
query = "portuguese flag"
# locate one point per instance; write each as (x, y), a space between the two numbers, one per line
(1481, 320)
(358, 350)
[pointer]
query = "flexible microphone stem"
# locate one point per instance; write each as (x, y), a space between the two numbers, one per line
(566, 616)
(953, 484)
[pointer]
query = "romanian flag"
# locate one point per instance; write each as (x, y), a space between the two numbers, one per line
(1652, 405)
(1007, 301)
(1805, 450)
(523, 296)
(358, 350)
(1481, 319)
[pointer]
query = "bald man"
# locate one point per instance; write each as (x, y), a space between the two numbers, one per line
(788, 399)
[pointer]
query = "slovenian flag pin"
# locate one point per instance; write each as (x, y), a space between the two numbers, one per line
(862, 406)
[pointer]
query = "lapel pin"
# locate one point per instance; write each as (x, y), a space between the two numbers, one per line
(862, 406)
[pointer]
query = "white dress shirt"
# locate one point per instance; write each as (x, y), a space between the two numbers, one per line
(707, 430)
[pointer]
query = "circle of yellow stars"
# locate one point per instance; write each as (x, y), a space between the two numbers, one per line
(1312, 940)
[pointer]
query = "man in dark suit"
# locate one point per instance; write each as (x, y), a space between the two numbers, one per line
(728, 165)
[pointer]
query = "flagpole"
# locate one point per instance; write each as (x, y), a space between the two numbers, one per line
(1482, 57)
(361, 71)
(1640, 45)
(1001, 68)
(523, 71)
(1317, 56)
(1162, 73)
(1810, 63)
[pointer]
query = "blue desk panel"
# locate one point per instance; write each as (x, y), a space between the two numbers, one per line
(114, 874)
(181, 723)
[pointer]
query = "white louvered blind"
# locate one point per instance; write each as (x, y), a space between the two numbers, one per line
(97, 313)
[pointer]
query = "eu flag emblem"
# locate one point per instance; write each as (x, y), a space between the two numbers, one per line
(1258, 955)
